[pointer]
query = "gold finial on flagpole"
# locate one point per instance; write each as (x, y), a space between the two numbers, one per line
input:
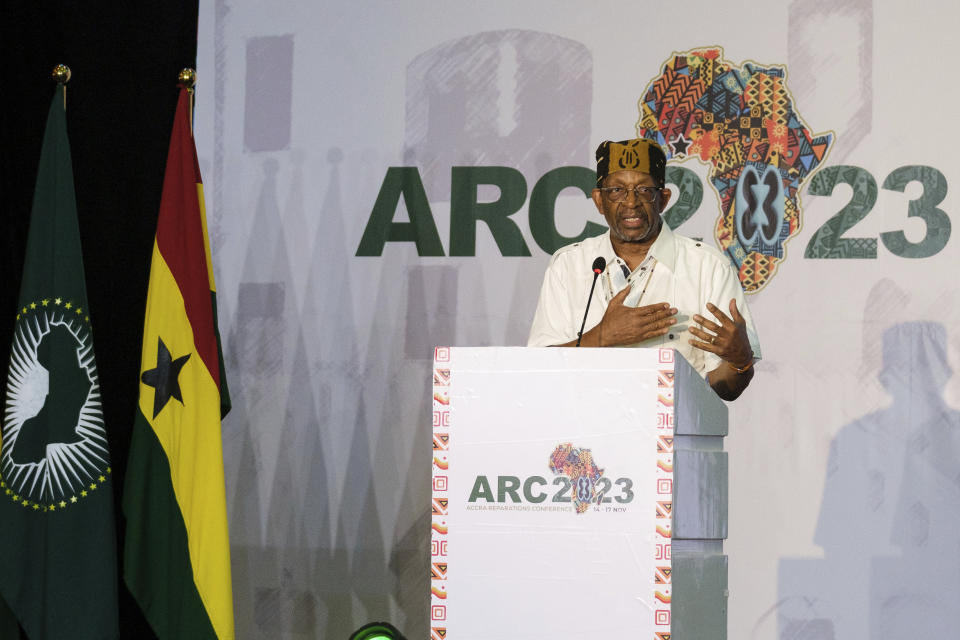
(188, 78)
(61, 73)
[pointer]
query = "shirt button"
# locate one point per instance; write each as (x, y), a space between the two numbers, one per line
(671, 336)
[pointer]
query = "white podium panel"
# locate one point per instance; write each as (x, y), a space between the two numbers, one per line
(552, 493)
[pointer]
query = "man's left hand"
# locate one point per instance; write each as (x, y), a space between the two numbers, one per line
(726, 338)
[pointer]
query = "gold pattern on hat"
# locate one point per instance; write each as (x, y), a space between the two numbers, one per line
(633, 156)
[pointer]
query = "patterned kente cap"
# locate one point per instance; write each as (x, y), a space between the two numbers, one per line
(638, 154)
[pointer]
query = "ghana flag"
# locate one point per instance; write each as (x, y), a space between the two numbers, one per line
(176, 551)
(57, 539)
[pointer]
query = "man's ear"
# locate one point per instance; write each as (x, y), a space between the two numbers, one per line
(597, 196)
(664, 198)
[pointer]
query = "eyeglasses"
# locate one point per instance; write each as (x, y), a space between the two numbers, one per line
(619, 194)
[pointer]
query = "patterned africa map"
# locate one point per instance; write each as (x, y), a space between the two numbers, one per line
(576, 463)
(742, 122)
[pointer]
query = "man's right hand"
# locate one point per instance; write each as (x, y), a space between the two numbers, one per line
(622, 325)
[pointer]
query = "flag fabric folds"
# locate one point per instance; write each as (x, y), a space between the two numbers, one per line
(57, 536)
(176, 550)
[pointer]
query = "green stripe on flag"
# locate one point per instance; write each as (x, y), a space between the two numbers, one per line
(155, 549)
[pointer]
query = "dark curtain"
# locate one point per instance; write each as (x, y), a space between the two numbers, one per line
(125, 58)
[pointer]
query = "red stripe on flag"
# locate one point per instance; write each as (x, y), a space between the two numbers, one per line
(180, 235)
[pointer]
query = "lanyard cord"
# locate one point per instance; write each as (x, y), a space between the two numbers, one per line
(647, 283)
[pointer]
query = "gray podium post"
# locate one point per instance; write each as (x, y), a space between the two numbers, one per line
(700, 478)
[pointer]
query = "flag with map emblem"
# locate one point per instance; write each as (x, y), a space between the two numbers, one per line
(57, 540)
(176, 550)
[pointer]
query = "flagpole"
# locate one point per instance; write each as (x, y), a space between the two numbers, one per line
(188, 78)
(61, 73)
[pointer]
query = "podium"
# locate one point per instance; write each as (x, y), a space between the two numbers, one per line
(576, 493)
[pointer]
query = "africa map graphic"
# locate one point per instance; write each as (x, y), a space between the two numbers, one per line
(54, 446)
(742, 122)
(576, 463)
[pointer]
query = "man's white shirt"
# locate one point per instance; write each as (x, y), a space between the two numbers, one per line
(677, 270)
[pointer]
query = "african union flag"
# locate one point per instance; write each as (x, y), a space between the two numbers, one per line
(57, 536)
(176, 552)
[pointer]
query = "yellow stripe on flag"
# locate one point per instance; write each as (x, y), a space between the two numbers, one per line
(206, 237)
(189, 433)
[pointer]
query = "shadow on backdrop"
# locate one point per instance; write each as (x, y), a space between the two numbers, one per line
(890, 512)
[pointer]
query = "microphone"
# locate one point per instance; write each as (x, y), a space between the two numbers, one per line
(598, 266)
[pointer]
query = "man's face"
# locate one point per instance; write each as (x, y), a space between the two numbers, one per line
(632, 219)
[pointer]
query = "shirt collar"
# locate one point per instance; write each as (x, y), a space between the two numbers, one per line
(664, 248)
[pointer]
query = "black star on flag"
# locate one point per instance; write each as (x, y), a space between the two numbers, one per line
(164, 377)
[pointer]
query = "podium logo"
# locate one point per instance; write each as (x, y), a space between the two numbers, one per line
(578, 482)
(578, 467)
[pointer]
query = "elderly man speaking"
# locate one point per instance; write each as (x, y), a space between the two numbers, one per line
(656, 288)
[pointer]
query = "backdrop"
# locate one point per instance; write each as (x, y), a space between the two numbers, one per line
(386, 177)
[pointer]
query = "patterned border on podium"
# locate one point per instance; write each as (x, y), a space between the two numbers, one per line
(664, 507)
(440, 496)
